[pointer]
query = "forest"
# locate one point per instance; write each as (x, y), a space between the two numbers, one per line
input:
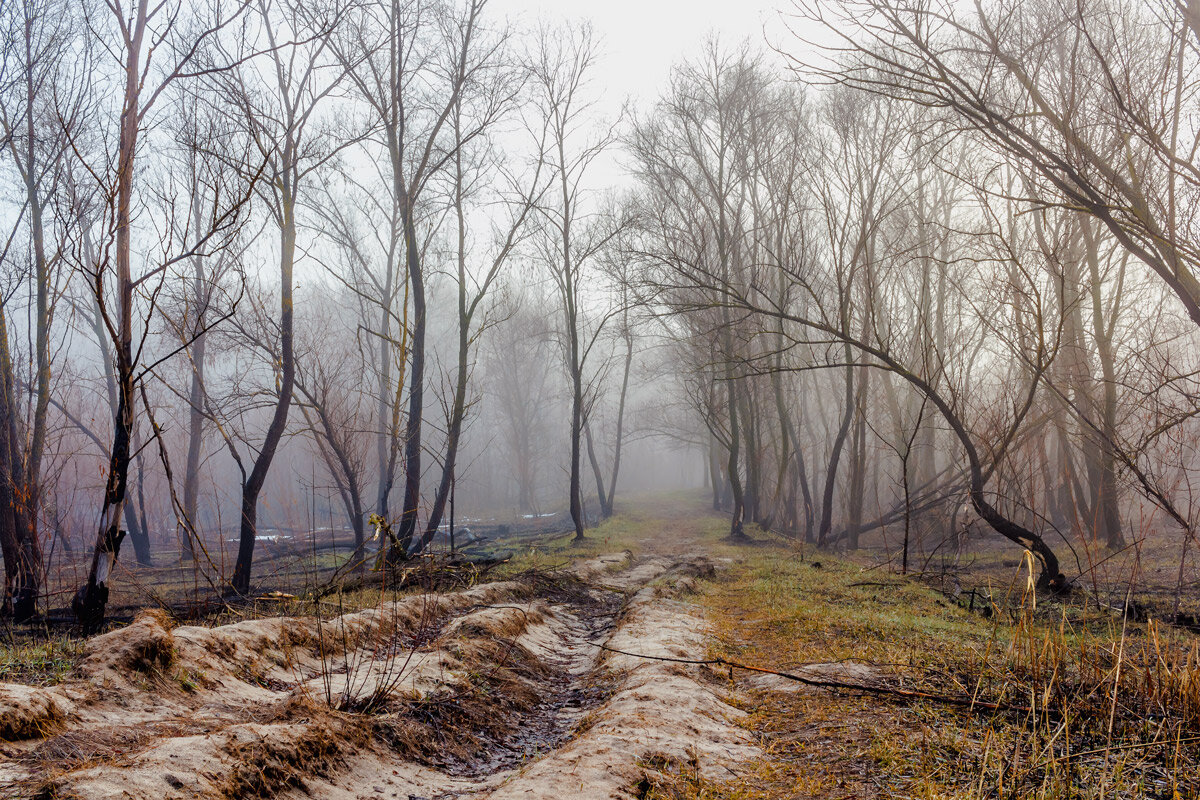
(308, 299)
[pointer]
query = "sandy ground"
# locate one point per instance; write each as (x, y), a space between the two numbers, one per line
(500, 691)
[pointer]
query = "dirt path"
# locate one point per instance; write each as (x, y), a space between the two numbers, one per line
(499, 691)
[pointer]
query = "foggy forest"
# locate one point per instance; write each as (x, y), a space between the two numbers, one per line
(390, 407)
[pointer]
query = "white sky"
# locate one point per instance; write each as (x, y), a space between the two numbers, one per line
(639, 40)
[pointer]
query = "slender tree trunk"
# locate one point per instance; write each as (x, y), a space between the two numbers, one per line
(458, 408)
(574, 487)
(858, 465)
(736, 529)
(607, 509)
(416, 390)
(597, 473)
(135, 516)
(835, 456)
(287, 381)
(1109, 492)
(92, 598)
(716, 479)
(198, 351)
(752, 490)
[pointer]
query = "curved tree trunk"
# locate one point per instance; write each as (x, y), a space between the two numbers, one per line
(835, 457)
(287, 381)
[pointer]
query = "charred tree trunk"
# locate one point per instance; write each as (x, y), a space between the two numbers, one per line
(18, 533)
(92, 598)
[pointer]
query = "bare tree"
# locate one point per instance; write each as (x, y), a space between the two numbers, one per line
(280, 114)
(475, 285)
(156, 47)
(420, 60)
(40, 107)
(561, 68)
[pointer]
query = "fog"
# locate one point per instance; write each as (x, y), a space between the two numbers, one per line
(378, 271)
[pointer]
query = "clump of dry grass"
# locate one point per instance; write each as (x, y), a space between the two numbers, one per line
(266, 765)
(112, 744)
(31, 715)
(668, 778)
(144, 647)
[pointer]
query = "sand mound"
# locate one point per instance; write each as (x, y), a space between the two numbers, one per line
(487, 692)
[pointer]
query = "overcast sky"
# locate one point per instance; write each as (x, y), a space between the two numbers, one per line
(641, 39)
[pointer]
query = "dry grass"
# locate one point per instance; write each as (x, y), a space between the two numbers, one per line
(265, 766)
(1107, 708)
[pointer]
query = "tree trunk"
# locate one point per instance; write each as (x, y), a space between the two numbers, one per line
(253, 484)
(199, 347)
(1109, 492)
(607, 510)
(858, 465)
(574, 486)
(416, 391)
(18, 534)
(458, 408)
(835, 456)
(736, 529)
(597, 473)
(92, 598)
(716, 479)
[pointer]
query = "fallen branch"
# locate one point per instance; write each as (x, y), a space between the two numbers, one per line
(965, 702)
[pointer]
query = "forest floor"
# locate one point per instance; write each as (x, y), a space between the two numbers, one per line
(642, 663)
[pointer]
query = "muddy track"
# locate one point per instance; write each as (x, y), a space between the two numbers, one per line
(496, 691)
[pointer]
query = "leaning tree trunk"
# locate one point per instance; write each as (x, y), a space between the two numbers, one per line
(1050, 576)
(835, 457)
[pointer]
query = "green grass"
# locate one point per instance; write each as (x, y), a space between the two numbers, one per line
(41, 663)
